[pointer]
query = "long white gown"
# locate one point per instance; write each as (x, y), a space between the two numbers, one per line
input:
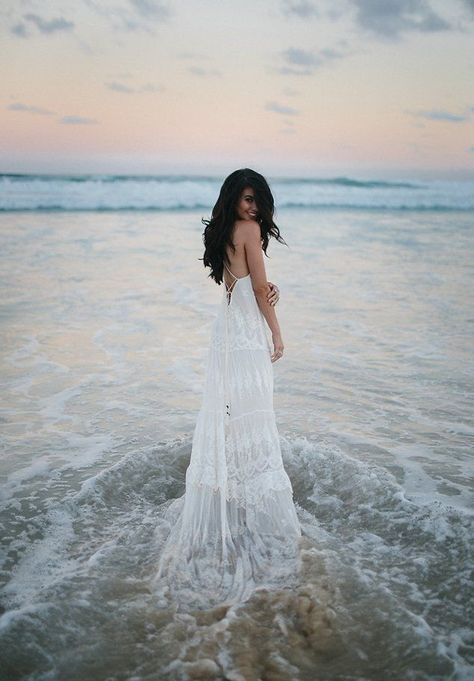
(236, 525)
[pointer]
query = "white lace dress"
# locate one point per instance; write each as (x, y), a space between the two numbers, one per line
(236, 525)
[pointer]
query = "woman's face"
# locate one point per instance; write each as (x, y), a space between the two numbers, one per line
(246, 206)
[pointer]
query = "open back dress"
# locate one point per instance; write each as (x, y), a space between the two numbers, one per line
(236, 525)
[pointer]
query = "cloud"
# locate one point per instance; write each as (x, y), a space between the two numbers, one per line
(119, 87)
(78, 120)
(65, 120)
(300, 57)
(131, 15)
(391, 18)
(303, 62)
(281, 109)
(116, 86)
(300, 8)
(386, 19)
(18, 106)
(51, 26)
(151, 9)
(470, 4)
(19, 30)
(439, 115)
(149, 87)
(44, 26)
(203, 73)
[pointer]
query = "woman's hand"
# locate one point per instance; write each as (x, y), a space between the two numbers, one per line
(278, 347)
(273, 295)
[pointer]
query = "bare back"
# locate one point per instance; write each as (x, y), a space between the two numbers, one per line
(238, 261)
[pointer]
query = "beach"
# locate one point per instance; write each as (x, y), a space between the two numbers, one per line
(105, 322)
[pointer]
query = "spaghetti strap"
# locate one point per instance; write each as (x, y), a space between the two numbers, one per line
(229, 288)
(230, 271)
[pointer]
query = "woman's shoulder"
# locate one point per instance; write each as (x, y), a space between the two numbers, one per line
(246, 228)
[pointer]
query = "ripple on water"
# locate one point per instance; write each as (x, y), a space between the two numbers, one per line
(377, 595)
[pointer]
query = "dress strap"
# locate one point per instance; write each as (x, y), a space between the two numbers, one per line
(230, 271)
(229, 289)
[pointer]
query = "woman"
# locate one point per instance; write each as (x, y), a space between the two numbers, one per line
(236, 524)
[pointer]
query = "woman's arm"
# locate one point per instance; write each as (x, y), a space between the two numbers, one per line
(274, 293)
(256, 265)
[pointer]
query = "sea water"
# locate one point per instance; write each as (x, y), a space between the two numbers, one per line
(106, 316)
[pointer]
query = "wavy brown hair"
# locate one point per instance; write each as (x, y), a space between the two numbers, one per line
(218, 231)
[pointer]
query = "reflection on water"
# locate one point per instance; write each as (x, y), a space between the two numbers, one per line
(105, 325)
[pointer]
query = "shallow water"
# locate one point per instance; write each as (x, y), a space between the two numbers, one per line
(105, 326)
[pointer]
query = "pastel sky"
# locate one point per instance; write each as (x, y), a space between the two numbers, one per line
(358, 87)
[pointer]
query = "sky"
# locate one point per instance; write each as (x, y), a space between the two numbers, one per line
(364, 88)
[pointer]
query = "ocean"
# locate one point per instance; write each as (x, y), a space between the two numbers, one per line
(178, 192)
(106, 312)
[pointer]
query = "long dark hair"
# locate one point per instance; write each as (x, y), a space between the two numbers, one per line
(218, 231)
